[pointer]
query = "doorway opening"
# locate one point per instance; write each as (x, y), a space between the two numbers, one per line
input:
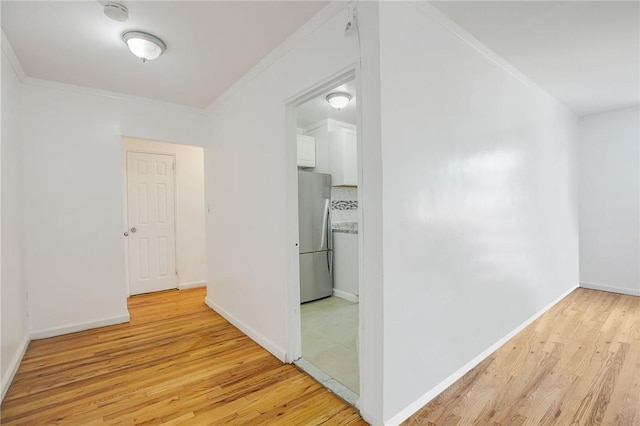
(328, 177)
(163, 216)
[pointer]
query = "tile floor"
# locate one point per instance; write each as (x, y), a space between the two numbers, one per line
(330, 339)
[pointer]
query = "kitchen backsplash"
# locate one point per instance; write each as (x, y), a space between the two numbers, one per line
(344, 204)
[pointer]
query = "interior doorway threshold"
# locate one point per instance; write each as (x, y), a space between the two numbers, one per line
(328, 382)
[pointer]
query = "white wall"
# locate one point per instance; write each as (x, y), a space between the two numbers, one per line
(479, 198)
(14, 335)
(609, 177)
(190, 227)
(370, 221)
(73, 200)
(249, 170)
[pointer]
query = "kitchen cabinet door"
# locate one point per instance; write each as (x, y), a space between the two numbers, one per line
(306, 151)
(343, 157)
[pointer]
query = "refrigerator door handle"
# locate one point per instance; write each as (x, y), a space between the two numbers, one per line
(329, 231)
(324, 241)
(329, 234)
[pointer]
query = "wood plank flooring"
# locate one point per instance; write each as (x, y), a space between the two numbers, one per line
(578, 364)
(176, 363)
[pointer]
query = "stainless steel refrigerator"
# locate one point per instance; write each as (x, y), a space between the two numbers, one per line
(314, 222)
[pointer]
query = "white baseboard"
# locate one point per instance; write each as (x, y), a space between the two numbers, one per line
(345, 295)
(424, 399)
(184, 286)
(13, 366)
(610, 289)
(58, 331)
(253, 334)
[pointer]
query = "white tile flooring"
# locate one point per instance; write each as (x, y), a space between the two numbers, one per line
(330, 340)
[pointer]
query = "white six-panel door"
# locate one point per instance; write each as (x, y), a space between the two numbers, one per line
(151, 227)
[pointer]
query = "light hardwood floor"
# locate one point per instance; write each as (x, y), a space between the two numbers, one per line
(176, 363)
(579, 364)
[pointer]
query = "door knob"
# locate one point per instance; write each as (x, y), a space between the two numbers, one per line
(133, 230)
(126, 234)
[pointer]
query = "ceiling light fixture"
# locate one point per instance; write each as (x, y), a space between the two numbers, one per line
(144, 45)
(338, 100)
(116, 11)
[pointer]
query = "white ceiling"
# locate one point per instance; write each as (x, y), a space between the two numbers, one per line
(210, 44)
(584, 53)
(318, 109)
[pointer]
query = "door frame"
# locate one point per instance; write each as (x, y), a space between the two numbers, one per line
(293, 318)
(125, 209)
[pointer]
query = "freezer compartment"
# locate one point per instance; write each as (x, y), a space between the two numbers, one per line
(316, 275)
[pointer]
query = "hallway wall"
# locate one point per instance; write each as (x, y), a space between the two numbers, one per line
(479, 184)
(248, 164)
(13, 287)
(609, 165)
(73, 191)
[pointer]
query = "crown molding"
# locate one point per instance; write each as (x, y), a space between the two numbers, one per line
(330, 122)
(308, 28)
(440, 18)
(13, 59)
(48, 84)
(324, 15)
(83, 90)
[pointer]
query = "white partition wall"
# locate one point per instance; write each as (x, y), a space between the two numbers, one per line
(370, 222)
(249, 233)
(480, 221)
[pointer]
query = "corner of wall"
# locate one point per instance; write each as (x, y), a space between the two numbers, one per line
(424, 399)
(370, 219)
(15, 336)
(13, 59)
(13, 366)
(305, 30)
(195, 284)
(73, 328)
(610, 289)
(260, 339)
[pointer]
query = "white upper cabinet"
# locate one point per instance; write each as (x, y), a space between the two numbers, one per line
(306, 151)
(343, 157)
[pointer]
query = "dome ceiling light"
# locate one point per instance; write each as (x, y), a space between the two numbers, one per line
(144, 45)
(338, 100)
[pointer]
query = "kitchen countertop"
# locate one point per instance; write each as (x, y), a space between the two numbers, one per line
(345, 227)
